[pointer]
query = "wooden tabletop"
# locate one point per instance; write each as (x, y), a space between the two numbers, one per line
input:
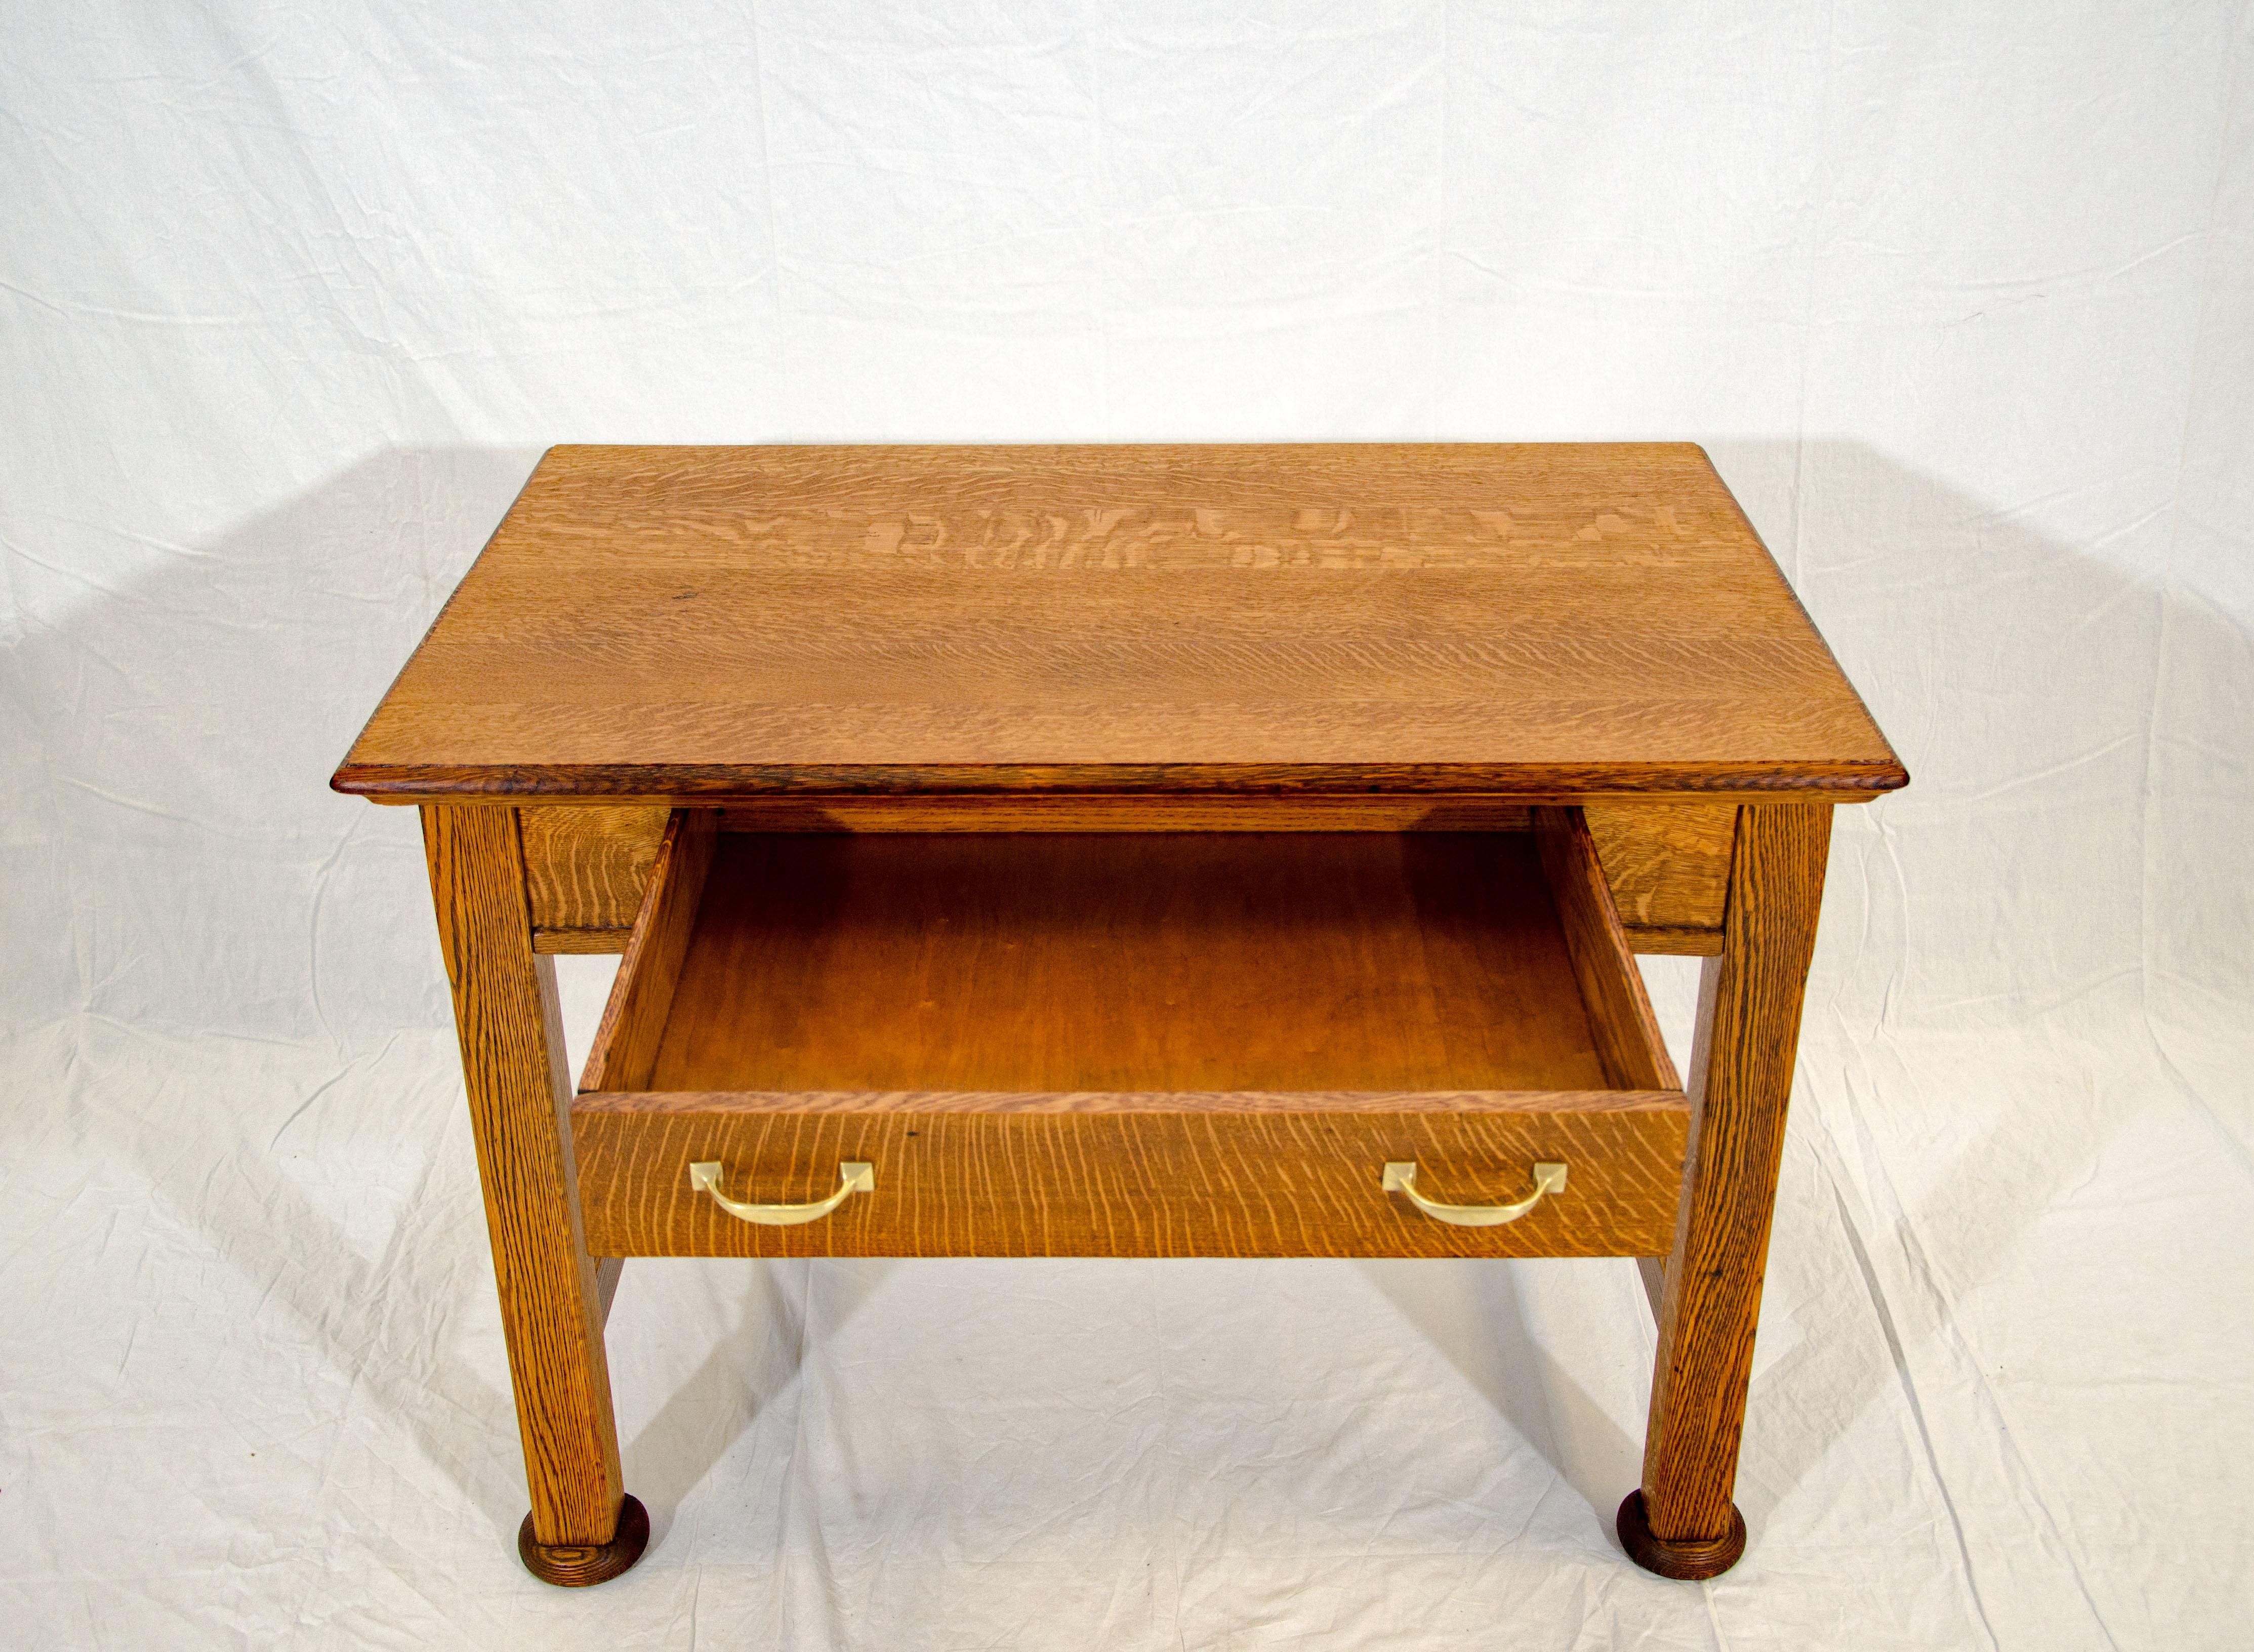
(1537, 621)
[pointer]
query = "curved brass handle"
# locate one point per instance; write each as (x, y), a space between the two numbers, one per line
(852, 1178)
(1402, 1177)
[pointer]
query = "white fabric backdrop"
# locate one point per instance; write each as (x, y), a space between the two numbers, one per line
(1962, 299)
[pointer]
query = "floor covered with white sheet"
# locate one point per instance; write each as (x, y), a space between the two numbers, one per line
(1960, 300)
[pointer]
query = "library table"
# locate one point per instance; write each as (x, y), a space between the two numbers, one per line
(1126, 851)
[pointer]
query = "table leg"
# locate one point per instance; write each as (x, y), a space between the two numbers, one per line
(1681, 1523)
(583, 1527)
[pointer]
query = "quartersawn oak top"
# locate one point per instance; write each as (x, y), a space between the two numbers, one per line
(700, 622)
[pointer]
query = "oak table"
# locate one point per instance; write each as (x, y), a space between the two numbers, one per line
(1135, 851)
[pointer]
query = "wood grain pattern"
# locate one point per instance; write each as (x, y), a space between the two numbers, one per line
(1669, 867)
(1740, 1084)
(582, 1565)
(585, 868)
(505, 1010)
(1177, 961)
(1125, 812)
(696, 623)
(626, 1043)
(1129, 1175)
(1652, 1271)
(1663, 862)
(1690, 1559)
(1626, 1033)
(1672, 941)
(581, 942)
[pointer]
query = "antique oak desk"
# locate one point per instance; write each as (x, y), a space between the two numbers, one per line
(1126, 851)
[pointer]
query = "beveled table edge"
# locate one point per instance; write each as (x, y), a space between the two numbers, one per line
(704, 784)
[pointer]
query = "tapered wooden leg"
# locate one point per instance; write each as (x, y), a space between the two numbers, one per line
(1681, 1523)
(583, 1527)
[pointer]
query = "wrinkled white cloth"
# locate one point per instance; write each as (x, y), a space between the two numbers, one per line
(1961, 299)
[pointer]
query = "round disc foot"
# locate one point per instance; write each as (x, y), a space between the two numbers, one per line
(574, 1565)
(1688, 1558)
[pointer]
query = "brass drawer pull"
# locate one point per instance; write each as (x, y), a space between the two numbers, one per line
(852, 1178)
(1402, 1177)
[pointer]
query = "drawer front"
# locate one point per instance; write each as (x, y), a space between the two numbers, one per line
(1238, 1174)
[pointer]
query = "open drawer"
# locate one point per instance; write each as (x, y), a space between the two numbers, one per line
(1152, 1044)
